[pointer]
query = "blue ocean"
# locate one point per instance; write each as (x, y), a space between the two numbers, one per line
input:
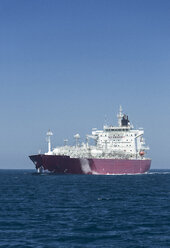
(84, 210)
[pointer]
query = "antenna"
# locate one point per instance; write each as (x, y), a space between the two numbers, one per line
(49, 134)
(119, 116)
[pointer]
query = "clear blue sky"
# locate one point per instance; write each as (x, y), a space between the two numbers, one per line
(66, 64)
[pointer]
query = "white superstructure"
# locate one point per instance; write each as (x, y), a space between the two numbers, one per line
(122, 141)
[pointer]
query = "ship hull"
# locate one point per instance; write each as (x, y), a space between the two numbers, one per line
(66, 165)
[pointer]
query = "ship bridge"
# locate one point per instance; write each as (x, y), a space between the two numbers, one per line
(116, 129)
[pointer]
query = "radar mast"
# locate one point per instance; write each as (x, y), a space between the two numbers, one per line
(119, 116)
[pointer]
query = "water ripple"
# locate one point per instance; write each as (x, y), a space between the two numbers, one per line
(84, 211)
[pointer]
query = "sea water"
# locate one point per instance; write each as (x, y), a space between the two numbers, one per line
(84, 210)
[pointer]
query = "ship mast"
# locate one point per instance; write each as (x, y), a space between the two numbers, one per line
(49, 134)
(77, 138)
(119, 116)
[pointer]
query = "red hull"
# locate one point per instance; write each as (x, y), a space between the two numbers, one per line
(67, 165)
